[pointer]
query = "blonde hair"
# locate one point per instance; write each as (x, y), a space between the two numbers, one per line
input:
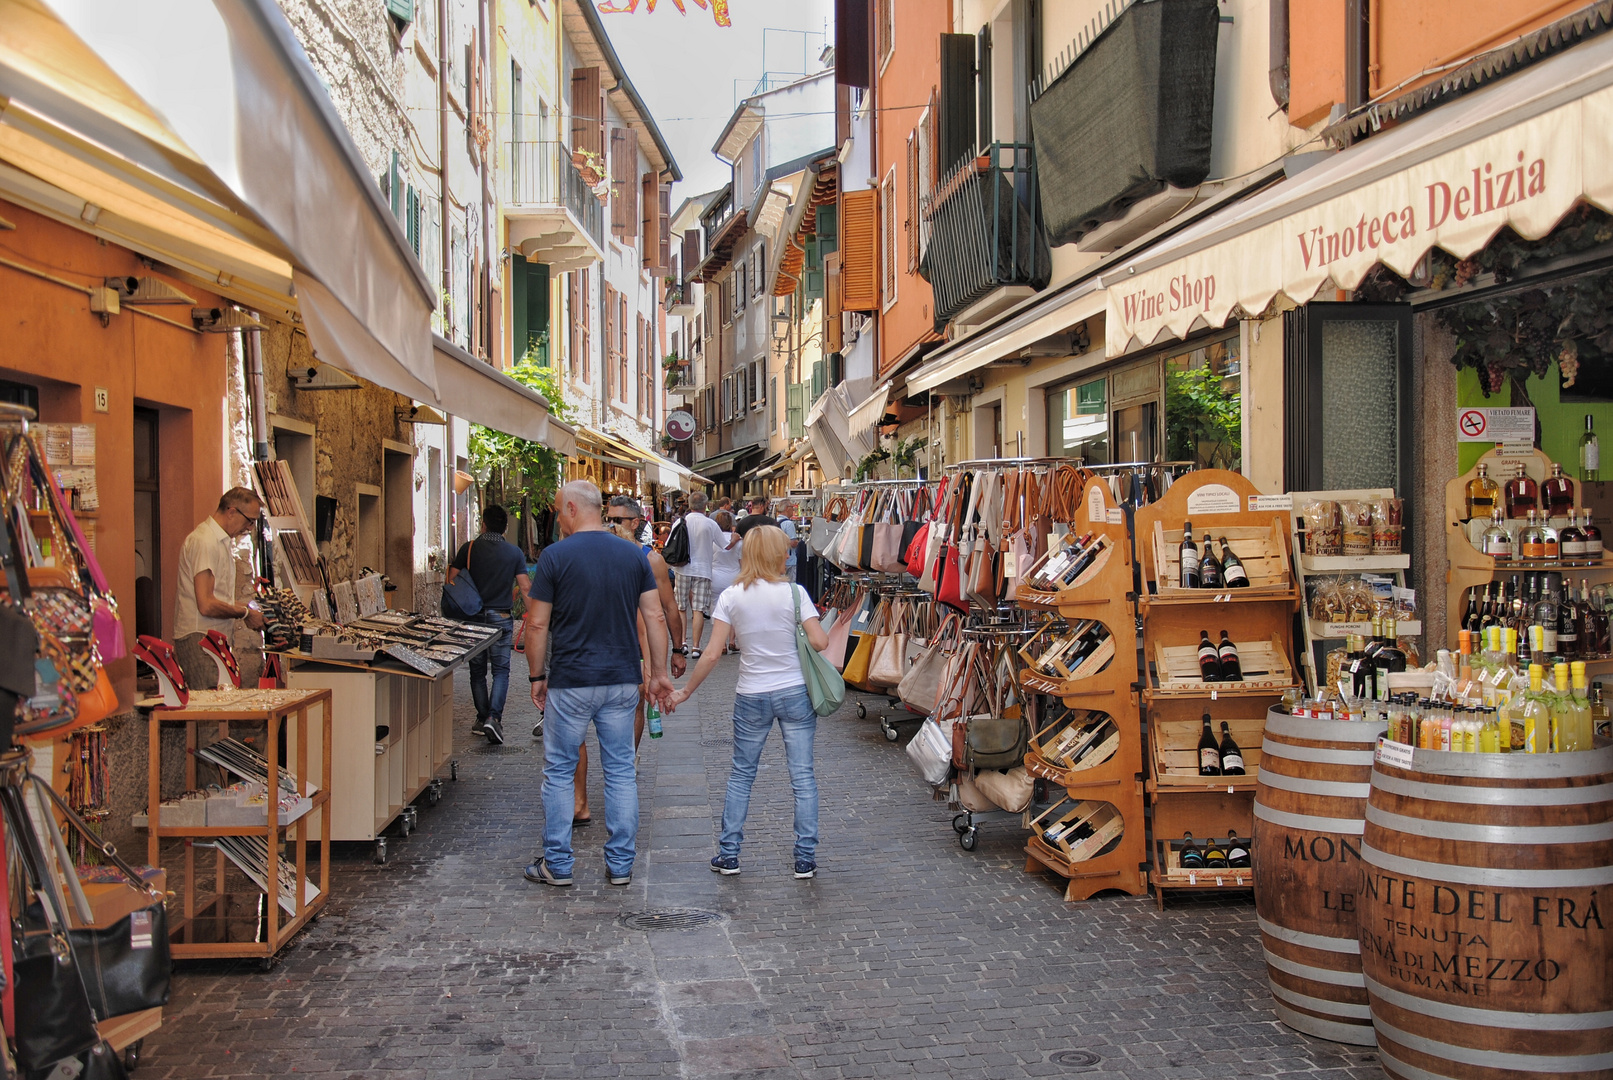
(762, 559)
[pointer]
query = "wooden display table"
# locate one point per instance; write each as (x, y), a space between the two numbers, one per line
(222, 923)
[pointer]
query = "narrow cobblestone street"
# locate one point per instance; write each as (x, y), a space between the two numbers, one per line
(906, 956)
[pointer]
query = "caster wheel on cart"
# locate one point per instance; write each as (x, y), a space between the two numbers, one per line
(131, 1055)
(891, 734)
(453, 769)
(267, 963)
(380, 849)
(968, 838)
(862, 711)
(960, 824)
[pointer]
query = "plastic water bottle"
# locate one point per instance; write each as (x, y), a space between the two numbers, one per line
(652, 714)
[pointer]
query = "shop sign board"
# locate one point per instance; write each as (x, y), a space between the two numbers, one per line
(680, 425)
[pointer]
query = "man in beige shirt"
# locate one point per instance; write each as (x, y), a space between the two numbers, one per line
(205, 596)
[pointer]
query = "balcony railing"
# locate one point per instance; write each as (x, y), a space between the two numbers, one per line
(985, 229)
(541, 174)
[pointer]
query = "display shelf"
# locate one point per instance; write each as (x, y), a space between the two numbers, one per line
(273, 709)
(1169, 874)
(1337, 631)
(1259, 624)
(1262, 548)
(1350, 564)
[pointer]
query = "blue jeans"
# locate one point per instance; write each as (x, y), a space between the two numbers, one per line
(753, 721)
(566, 716)
(498, 655)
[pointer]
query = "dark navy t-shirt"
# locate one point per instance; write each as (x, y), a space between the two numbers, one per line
(494, 565)
(594, 580)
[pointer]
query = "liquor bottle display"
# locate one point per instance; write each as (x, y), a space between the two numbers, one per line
(1557, 493)
(1189, 554)
(1210, 752)
(1061, 567)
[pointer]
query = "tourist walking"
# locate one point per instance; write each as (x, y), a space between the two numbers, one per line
(588, 592)
(496, 567)
(725, 562)
(693, 581)
(762, 606)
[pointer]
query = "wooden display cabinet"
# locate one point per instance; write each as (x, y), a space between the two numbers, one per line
(1103, 592)
(1259, 622)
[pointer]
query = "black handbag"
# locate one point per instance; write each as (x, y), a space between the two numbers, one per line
(126, 967)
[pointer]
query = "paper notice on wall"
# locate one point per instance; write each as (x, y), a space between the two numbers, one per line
(1212, 499)
(1498, 425)
(58, 440)
(83, 444)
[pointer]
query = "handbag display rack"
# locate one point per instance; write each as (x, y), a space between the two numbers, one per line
(878, 624)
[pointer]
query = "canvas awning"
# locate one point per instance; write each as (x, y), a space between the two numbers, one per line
(197, 133)
(472, 389)
(1047, 316)
(1518, 153)
(721, 464)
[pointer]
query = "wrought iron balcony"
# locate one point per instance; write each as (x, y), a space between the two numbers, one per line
(541, 188)
(982, 230)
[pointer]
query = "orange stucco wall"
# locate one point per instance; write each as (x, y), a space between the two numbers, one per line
(1315, 59)
(905, 86)
(50, 339)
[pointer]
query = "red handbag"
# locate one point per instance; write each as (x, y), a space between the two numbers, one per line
(914, 554)
(949, 590)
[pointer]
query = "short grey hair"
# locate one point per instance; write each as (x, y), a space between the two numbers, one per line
(697, 501)
(627, 502)
(584, 493)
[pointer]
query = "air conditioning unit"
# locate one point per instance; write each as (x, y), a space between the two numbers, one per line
(321, 377)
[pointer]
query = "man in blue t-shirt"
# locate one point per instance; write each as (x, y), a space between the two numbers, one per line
(588, 592)
(496, 567)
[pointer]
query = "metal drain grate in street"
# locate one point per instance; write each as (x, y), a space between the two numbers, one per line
(669, 920)
(1075, 1059)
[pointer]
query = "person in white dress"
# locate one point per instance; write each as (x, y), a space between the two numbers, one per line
(725, 561)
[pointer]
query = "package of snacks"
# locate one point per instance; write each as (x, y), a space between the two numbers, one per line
(1358, 600)
(1327, 602)
(1355, 526)
(1386, 526)
(1322, 525)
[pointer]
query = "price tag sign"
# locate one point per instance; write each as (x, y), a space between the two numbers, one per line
(1396, 754)
(1192, 878)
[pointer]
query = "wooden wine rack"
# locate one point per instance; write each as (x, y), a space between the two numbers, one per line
(1102, 592)
(1259, 621)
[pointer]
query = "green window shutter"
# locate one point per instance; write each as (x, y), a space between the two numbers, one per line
(817, 379)
(828, 228)
(537, 312)
(401, 10)
(797, 410)
(394, 193)
(411, 219)
(518, 307)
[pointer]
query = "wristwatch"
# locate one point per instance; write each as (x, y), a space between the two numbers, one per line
(536, 678)
(680, 650)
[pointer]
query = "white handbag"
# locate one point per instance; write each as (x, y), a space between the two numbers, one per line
(931, 751)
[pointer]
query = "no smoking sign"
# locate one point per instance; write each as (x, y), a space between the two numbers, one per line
(1496, 425)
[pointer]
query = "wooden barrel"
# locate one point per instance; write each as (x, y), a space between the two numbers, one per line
(1487, 917)
(1309, 807)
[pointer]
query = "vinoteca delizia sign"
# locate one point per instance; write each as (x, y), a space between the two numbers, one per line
(1526, 176)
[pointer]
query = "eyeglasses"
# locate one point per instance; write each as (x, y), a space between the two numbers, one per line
(620, 520)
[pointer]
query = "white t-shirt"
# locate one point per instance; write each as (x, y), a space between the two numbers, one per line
(704, 536)
(763, 616)
(208, 547)
(725, 562)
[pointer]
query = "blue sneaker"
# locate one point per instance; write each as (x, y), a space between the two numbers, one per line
(805, 868)
(726, 865)
(540, 872)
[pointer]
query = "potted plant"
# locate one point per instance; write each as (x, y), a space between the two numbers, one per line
(589, 165)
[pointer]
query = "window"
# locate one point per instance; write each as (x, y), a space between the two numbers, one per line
(1078, 421)
(623, 185)
(756, 170)
(772, 406)
(885, 31)
(756, 392)
(1204, 406)
(741, 292)
(727, 398)
(697, 340)
(859, 250)
(887, 237)
(910, 224)
(759, 269)
(587, 111)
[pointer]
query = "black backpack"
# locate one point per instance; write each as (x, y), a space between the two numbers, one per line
(676, 549)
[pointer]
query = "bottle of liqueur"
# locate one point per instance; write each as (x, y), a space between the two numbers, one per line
(1522, 495)
(1209, 751)
(1470, 618)
(1052, 571)
(1531, 540)
(1091, 548)
(1233, 571)
(1209, 658)
(1590, 452)
(1231, 756)
(1571, 539)
(1189, 557)
(1557, 493)
(1550, 539)
(1497, 541)
(1546, 617)
(1210, 576)
(1390, 659)
(1568, 622)
(1237, 851)
(1215, 856)
(1482, 493)
(1227, 654)
(1593, 536)
(1192, 857)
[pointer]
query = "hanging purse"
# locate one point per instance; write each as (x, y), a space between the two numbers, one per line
(888, 552)
(824, 685)
(889, 661)
(108, 625)
(930, 751)
(920, 688)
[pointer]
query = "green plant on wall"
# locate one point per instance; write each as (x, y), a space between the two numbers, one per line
(513, 468)
(905, 456)
(1203, 419)
(870, 461)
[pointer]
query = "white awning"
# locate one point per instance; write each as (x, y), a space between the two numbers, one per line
(1051, 315)
(469, 388)
(1520, 153)
(196, 132)
(866, 414)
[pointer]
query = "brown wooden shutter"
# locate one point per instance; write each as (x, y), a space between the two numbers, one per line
(957, 120)
(887, 240)
(859, 250)
(833, 339)
(610, 338)
(621, 349)
(691, 252)
(573, 311)
(584, 316)
(649, 228)
(587, 111)
(663, 226)
(621, 171)
(910, 227)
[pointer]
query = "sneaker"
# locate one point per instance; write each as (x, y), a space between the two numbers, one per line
(694, 654)
(625, 878)
(805, 868)
(480, 726)
(540, 872)
(494, 730)
(726, 865)
(537, 729)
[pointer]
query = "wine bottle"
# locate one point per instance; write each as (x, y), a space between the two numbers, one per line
(1209, 751)
(1209, 658)
(1209, 568)
(1192, 857)
(1227, 654)
(1215, 856)
(1089, 552)
(1590, 452)
(1231, 756)
(1189, 555)
(1470, 620)
(1237, 851)
(1233, 571)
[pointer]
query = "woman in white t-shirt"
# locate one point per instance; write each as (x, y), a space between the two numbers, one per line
(725, 562)
(761, 607)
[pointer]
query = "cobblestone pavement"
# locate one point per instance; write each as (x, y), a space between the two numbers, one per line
(906, 956)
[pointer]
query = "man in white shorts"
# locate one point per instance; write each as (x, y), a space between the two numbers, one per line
(692, 583)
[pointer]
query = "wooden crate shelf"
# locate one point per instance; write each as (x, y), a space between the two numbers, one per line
(1266, 669)
(1173, 744)
(1263, 550)
(1169, 875)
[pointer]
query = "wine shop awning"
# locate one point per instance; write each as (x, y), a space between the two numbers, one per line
(1520, 153)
